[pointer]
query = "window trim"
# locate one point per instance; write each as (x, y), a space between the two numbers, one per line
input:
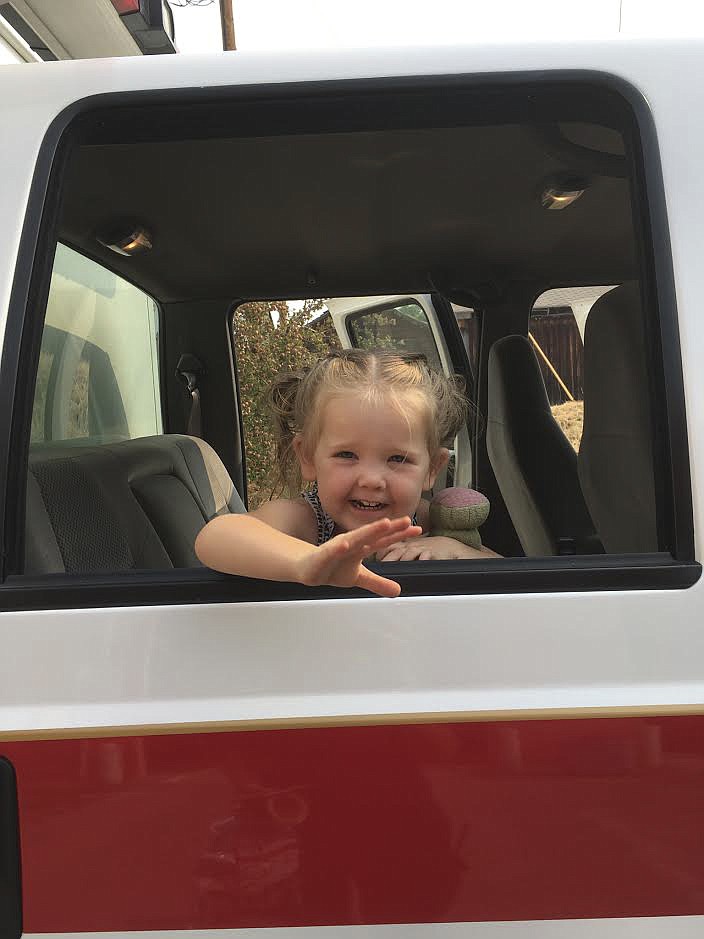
(23, 337)
(576, 574)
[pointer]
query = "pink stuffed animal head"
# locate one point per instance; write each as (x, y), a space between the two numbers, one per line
(457, 513)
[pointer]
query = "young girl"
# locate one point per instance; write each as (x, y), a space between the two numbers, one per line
(367, 430)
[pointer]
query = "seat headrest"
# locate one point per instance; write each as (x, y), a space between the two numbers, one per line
(513, 365)
(616, 468)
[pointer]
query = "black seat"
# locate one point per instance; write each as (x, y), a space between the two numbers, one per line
(136, 504)
(616, 465)
(533, 461)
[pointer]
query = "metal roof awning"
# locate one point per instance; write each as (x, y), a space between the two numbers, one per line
(74, 29)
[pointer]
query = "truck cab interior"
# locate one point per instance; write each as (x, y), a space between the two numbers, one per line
(167, 211)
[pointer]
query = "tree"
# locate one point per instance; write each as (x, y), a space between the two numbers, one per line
(271, 338)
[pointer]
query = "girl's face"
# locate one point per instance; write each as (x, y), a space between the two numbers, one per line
(370, 461)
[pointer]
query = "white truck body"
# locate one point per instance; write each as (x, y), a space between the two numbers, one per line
(81, 672)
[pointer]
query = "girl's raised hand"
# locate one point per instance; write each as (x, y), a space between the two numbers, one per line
(339, 561)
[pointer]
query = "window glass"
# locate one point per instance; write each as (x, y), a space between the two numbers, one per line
(98, 374)
(402, 328)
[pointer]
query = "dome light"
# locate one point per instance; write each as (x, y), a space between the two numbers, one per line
(127, 241)
(558, 194)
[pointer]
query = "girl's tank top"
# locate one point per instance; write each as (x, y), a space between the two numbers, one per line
(326, 526)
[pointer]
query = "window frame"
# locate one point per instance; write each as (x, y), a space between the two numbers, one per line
(510, 575)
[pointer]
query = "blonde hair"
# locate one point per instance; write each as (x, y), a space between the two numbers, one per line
(297, 399)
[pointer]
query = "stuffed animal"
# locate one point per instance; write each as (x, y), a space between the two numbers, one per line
(457, 513)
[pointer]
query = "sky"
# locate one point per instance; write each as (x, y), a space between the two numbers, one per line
(302, 24)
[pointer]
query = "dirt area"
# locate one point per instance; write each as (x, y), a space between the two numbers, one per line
(569, 416)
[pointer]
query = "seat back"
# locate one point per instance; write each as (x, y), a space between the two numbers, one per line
(533, 461)
(616, 464)
(136, 504)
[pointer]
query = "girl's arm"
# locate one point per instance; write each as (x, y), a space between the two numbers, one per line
(256, 546)
(269, 547)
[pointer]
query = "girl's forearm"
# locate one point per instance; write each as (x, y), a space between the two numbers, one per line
(241, 544)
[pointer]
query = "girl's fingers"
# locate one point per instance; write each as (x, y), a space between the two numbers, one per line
(380, 529)
(390, 541)
(383, 553)
(411, 552)
(381, 586)
(357, 539)
(393, 554)
(363, 540)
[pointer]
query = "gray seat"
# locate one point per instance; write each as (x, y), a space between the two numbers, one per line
(616, 466)
(533, 461)
(136, 504)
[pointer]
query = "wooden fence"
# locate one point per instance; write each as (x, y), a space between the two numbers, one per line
(558, 337)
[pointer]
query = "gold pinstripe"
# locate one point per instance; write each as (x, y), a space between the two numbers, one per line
(353, 720)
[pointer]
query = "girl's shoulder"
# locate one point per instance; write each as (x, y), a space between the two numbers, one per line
(291, 516)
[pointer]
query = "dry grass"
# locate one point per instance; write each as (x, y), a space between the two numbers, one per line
(569, 416)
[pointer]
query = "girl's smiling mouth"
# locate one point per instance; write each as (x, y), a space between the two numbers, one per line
(367, 506)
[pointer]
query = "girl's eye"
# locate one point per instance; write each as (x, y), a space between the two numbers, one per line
(345, 455)
(397, 458)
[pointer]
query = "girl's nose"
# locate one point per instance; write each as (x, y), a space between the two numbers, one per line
(371, 476)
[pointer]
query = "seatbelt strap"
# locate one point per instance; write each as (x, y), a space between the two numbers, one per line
(189, 370)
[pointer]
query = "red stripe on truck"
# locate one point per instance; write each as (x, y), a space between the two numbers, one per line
(349, 825)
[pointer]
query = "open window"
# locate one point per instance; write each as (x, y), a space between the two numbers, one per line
(448, 208)
(315, 327)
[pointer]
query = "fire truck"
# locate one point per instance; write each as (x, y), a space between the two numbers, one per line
(514, 747)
